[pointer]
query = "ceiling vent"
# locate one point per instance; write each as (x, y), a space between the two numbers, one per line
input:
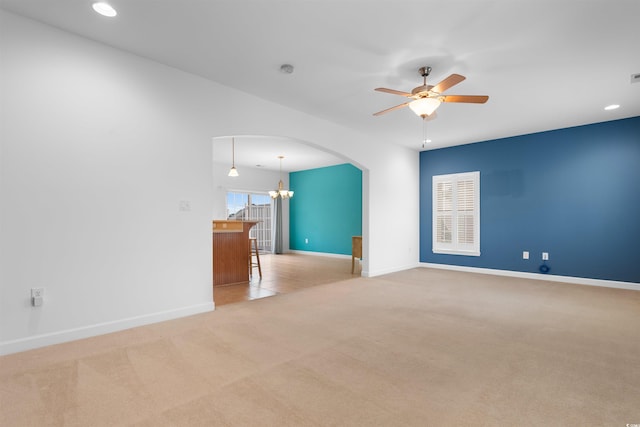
(635, 78)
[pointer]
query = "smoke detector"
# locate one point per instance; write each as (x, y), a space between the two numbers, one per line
(286, 68)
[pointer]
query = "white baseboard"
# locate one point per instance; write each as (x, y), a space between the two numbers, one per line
(538, 276)
(375, 273)
(320, 254)
(67, 335)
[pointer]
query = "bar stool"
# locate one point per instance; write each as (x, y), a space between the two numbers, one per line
(253, 251)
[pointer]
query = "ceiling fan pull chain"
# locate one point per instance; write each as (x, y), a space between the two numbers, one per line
(424, 132)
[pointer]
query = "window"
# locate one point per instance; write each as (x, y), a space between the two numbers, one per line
(254, 207)
(456, 214)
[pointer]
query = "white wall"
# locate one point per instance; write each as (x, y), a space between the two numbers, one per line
(250, 180)
(98, 147)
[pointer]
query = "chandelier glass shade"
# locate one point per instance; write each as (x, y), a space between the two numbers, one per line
(281, 192)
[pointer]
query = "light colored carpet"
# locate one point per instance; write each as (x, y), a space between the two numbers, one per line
(416, 348)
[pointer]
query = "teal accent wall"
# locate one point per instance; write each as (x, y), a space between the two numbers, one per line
(326, 209)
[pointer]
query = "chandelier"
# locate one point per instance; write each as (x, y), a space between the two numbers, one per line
(281, 192)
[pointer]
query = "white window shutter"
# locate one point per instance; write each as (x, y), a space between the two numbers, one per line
(444, 212)
(456, 213)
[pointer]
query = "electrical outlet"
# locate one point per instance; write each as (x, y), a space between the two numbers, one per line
(525, 254)
(545, 256)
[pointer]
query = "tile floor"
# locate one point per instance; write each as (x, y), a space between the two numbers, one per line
(286, 273)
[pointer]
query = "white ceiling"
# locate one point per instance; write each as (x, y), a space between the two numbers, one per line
(256, 151)
(544, 64)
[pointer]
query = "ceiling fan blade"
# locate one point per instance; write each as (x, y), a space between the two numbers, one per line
(445, 84)
(393, 91)
(391, 109)
(474, 99)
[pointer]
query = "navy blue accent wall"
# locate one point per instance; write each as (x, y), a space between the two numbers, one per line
(326, 209)
(574, 193)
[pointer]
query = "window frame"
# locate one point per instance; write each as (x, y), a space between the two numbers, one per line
(455, 247)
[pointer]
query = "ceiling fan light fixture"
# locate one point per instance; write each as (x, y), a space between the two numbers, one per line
(427, 98)
(424, 106)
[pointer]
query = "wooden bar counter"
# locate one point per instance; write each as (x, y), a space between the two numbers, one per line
(231, 251)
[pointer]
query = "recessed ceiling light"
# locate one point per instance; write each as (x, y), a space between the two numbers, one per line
(104, 9)
(611, 107)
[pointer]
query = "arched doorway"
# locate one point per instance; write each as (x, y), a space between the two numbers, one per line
(256, 160)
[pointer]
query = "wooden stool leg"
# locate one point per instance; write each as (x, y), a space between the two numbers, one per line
(258, 258)
(253, 249)
(250, 260)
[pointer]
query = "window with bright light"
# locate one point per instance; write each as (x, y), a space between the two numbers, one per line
(456, 214)
(253, 207)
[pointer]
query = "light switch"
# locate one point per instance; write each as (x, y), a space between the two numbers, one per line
(37, 296)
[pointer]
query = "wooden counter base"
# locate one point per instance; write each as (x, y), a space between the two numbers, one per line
(231, 251)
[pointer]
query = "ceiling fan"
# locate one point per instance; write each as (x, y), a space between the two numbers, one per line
(427, 98)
